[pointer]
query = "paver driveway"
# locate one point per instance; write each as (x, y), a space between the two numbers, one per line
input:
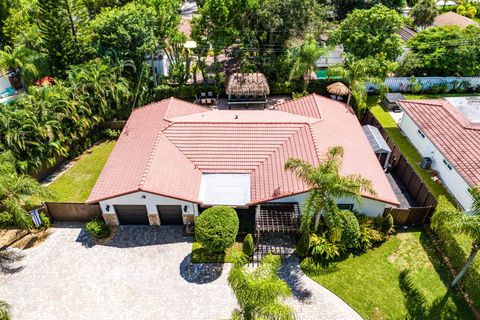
(143, 273)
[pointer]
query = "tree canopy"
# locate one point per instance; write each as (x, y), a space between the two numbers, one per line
(424, 12)
(370, 32)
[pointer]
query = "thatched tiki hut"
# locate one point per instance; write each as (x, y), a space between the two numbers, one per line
(247, 88)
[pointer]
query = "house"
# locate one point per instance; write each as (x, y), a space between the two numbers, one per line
(452, 19)
(174, 158)
(447, 133)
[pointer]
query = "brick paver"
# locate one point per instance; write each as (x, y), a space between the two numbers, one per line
(143, 273)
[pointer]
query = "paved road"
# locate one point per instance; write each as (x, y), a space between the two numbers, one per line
(143, 273)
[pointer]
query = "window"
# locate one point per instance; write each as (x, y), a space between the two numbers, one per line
(421, 134)
(345, 206)
(445, 162)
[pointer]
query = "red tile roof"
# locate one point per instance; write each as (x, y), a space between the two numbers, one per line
(452, 19)
(179, 141)
(455, 136)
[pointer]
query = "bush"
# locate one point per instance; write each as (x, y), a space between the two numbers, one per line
(248, 245)
(322, 248)
(97, 229)
(111, 133)
(350, 229)
(387, 224)
(369, 235)
(303, 244)
(457, 248)
(216, 228)
(6, 220)
(185, 92)
(46, 221)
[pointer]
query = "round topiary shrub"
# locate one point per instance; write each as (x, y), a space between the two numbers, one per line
(248, 245)
(350, 229)
(216, 228)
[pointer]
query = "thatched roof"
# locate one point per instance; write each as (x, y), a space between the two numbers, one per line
(247, 84)
(338, 89)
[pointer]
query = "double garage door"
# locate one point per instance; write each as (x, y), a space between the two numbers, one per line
(137, 214)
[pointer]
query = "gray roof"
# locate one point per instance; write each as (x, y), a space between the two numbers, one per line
(393, 97)
(376, 140)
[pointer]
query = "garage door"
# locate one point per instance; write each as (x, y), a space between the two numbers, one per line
(170, 214)
(132, 214)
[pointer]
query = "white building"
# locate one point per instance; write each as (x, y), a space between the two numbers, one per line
(447, 132)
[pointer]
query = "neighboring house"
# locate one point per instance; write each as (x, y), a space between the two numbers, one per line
(406, 33)
(452, 19)
(335, 56)
(175, 158)
(448, 133)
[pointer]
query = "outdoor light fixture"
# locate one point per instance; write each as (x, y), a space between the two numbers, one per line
(143, 196)
(107, 208)
(185, 208)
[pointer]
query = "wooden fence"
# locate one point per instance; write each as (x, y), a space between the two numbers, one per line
(66, 211)
(400, 166)
(416, 216)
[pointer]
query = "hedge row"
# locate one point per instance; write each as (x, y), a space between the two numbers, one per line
(457, 248)
(184, 92)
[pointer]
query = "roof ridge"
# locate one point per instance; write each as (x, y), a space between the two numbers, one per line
(150, 159)
(318, 106)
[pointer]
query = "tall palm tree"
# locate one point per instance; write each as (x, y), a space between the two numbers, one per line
(258, 292)
(467, 223)
(304, 58)
(17, 190)
(327, 186)
(357, 73)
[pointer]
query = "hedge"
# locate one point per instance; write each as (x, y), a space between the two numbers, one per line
(457, 248)
(184, 92)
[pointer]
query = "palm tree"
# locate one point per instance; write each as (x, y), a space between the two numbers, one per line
(466, 223)
(23, 59)
(17, 191)
(424, 12)
(357, 73)
(327, 185)
(258, 292)
(305, 58)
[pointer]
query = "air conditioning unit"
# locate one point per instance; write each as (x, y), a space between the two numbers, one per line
(426, 163)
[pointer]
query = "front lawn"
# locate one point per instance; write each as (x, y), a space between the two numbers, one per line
(408, 150)
(202, 255)
(75, 184)
(403, 278)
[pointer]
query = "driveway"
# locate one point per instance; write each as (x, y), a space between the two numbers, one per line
(143, 273)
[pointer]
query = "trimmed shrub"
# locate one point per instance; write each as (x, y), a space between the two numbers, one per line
(387, 224)
(216, 228)
(6, 220)
(457, 248)
(46, 221)
(350, 229)
(303, 244)
(186, 92)
(97, 229)
(248, 245)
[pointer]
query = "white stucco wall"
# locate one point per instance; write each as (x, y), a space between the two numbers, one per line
(150, 200)
(4, 83)
(451, 178)
(369, 207)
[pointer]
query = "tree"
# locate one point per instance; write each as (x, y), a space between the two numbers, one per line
(21, 26)
(304, 59)
(60, 33)
(357, 73)
(258, 292)
(343, 7)
(447, 216)
(4, 310)
(371, 32)
(127, 33)
(424, 12)
(445, 51)
(5, 6)
(327, 185)
(17, 190)
(23, 59)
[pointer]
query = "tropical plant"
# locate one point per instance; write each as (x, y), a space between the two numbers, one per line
(4, 310)
(17, 190)
(327, 185)
(97, 228)
(369, 234)
(467, 223)
(424, 12)
(467, 9)
(23, 59)
(259, 291)
(216, 228)
(357, 73)
(321, 247)
(304, 59)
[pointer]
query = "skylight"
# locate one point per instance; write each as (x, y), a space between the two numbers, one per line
(225, 189)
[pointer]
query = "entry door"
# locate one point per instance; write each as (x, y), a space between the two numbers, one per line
(170, 214)
(132, 214)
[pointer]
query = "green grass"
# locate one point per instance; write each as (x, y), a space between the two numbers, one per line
(403, 278)
(200, 254)
(75, 184)
(408, 150)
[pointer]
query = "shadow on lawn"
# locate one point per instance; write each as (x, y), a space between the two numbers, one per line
(417, 305)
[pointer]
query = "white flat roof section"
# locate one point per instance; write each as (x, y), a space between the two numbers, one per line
(225, 189)
(469, 106)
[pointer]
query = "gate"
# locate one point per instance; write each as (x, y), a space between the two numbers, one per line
(67, 211)
(416, 216)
